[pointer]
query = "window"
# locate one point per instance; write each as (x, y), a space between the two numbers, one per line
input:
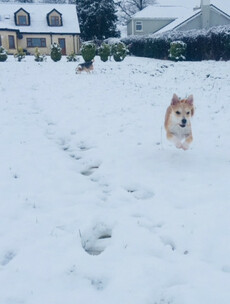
(22, 17)
(54, 18)
(0, 40)
(36, 42)
(22, 20)
(54, 21)
(139, 26)
(11, 42)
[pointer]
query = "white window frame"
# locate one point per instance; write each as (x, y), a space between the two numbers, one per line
(139, 23)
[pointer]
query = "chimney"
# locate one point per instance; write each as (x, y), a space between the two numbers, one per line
(205, 2)
(205, 11)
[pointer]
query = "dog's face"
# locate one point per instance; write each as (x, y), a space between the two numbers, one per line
(182, 110)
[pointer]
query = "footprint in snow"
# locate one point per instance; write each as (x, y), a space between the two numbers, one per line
(142, 194)
(167, 241)
(7, 258)
(95, 241)
(90, 170)
(98, 284)
(84, 147)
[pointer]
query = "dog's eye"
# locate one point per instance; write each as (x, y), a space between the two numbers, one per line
(188, 113)
(178, 112)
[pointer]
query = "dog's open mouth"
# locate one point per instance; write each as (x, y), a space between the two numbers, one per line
(182, 125)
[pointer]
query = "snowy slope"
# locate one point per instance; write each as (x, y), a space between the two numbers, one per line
(96, 206)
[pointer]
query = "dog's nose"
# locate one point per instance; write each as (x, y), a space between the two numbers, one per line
(183, 121)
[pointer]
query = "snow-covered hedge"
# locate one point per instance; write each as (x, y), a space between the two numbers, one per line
(201, 44)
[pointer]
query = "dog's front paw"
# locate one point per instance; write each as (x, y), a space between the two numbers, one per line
(185, 146)
(179, 145)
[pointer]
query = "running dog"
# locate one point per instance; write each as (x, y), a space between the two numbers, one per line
(177, 121)
(86, 66)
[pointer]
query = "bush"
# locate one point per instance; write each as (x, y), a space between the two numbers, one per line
(88, 51)
(119, 51)
(56, 53)
(20, 54)
(203, 44)
(104, 52)
(177, 50)
(38, 56)
(3, 54)
(72, 57)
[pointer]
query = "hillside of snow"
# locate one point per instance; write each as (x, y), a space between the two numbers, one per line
(96, 205)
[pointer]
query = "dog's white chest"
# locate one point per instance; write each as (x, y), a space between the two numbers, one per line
(179, 132)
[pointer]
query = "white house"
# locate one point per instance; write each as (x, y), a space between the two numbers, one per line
(28, 26)
(160, 18)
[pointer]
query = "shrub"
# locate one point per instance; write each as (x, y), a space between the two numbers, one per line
(72, 57)
(213, 43)
(38, 56)
(119, 51)
(177, 50)
(56, 53)
(104, 52)
(3, 54)
(88, 51)
(20, 54)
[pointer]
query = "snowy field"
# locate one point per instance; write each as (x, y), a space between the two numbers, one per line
(96, 205)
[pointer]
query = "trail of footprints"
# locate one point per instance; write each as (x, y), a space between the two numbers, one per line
(98, 237)
(95, 240)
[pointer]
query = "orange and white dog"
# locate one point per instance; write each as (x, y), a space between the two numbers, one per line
(177, 121)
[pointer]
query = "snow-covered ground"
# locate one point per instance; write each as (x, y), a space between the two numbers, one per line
(96, 206)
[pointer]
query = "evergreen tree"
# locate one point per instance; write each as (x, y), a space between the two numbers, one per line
(97, 19)
(55, 52)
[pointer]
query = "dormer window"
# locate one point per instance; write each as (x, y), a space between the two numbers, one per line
(22, 17)
(22, 20)
(54, 18)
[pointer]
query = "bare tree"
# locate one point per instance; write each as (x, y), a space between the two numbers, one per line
(130, 7)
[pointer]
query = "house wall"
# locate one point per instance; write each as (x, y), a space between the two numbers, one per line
(129, 28)
(215, 19)
(72, 42)
(195, 23)
(218, 19)
(5, 41)
(149, 26)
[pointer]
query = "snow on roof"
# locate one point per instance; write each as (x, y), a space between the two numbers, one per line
(163, 12)
(223, 5)
(178, 21)
(38, 14)
(184, 3)
(178, 8)
(217, 3)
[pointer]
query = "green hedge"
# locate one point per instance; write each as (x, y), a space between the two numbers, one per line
(201, 44)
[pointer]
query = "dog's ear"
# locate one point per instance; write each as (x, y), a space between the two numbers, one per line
(175, 100)
(190, 100)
